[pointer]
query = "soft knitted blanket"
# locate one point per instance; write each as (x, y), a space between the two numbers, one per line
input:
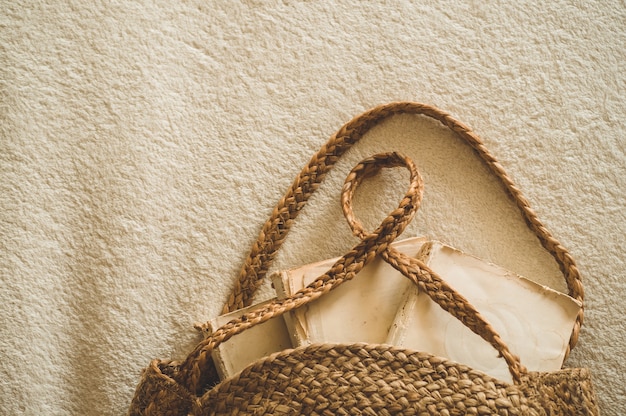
(144, 143)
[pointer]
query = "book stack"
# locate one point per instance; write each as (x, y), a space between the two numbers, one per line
(382, 306)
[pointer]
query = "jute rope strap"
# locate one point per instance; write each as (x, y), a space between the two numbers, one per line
(376, 243)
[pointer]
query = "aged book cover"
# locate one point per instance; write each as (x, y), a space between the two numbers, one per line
(535, 321)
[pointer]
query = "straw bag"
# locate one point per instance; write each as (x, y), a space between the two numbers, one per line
(365, 379)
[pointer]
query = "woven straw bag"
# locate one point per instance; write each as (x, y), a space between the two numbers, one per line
(365, 379)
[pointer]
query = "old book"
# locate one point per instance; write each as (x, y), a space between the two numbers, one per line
(534, 320)
(360, 310)
(260, 341)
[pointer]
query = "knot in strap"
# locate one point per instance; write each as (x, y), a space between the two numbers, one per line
(397, 220)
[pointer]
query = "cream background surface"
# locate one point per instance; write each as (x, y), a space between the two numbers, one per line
(143, 144)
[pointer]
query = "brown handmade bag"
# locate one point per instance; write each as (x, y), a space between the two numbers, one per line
(365, 379)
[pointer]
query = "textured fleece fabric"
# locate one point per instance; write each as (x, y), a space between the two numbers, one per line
(144, 143)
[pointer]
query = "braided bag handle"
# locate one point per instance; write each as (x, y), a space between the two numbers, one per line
(275, 229)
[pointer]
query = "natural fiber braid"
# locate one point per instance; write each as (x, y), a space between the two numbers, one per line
(389, 381)
(275, 229)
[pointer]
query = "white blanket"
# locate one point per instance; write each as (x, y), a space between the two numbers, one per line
(143, 144)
